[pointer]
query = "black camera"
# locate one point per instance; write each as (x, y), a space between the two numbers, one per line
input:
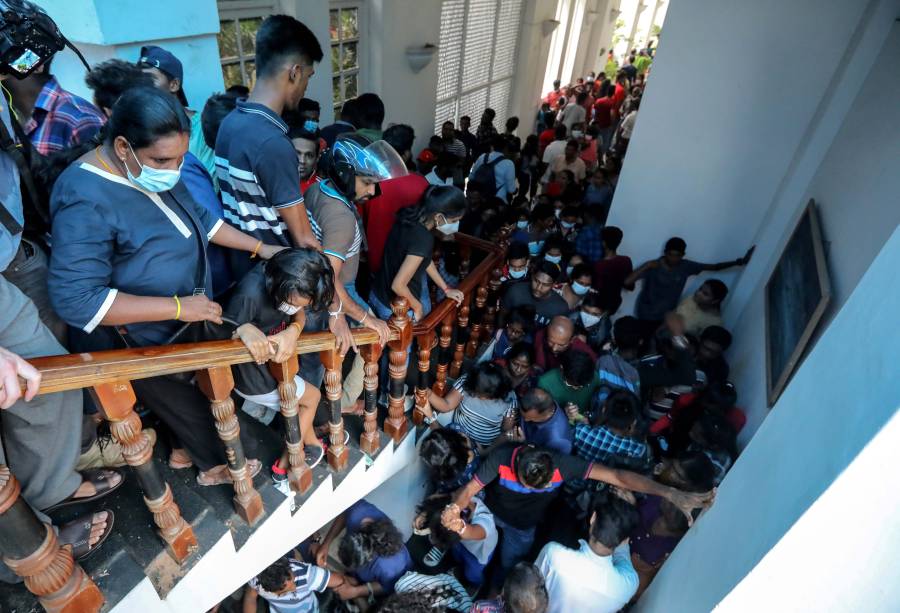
(28, 38)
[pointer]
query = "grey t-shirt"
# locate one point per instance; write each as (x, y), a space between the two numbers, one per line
(335, 225)
(662, 289)
(10, 194)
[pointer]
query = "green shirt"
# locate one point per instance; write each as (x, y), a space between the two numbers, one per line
(552, 383)
(642, 63)
(197, 146)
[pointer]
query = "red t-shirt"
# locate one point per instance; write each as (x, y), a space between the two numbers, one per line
(618, 97)
(305, 185)
(603, 112)
(553, 97)
(683, 409)
(610, 275)
(380, 212)
(546, 137)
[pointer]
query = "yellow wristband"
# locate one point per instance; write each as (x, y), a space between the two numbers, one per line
(298, 326)
(256, 249)
(178, 311)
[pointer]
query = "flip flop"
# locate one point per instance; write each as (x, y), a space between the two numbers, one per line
(100, 478)
(78, 534)
(254, 465)
(314, 455)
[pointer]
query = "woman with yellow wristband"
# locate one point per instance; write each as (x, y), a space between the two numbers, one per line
(129, 263)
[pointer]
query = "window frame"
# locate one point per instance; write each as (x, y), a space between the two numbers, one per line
(492, 81)
(361, 55)
(233, 11)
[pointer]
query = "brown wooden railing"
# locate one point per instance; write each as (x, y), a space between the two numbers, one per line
(30, 547)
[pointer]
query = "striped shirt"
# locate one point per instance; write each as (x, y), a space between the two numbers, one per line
(336, 226)
(481, 419)
(307, 579)
(445, 590)
(257, 171)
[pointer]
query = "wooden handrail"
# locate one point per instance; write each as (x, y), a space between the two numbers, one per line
(82, 370)
(467, 285)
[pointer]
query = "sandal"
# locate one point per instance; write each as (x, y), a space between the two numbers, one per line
(225, 479)
(100, 478)
(78, 534)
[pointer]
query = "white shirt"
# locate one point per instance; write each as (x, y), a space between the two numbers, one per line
(580, 580)
(433, 179)
(628, 124)
(573, 113)
(557, 147)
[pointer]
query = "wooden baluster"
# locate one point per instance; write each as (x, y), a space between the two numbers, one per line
(299, 474)
(475, 331)
(217, 384)
(395, 425)
(31, 550)
(444, 354)
(465, 260)
(338, 454)
(424, 344)
(462, 336)
(116, 401)
(490, 315)
(369, 440)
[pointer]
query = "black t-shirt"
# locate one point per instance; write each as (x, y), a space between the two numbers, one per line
(250, 303)
(511, 501)
(404, 239)
(545, 309)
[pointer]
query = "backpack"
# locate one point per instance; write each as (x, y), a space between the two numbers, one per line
(484, 179)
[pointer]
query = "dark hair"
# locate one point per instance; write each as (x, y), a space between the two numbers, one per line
(718, 335)
(574, 144)
(608, 302)
(490, 113)
(577, 367)
(548, 268)
(303, 271)
(308, 105)
(717, 433)
(487, 379)
(217, 107)
(720, 395)
(621, 409)
(273, 578)
(560, 131)
(499, 144)
(718, 288)
(582, 270)
(445, 200)
(580, 98)
(378, 538)
(519, 349)
(348, 111)
(614, 520)
(445, 453)
(542, 211)
(419, 601)
(697, 470)
(627, 332)
(401, 137)
(241, 91)
(570, 210)
(369, 111)
(534, 466)
(522, 315)
(537, 399)
(298, 128)
(611, 236)
(280, 38)
(524, 590)
(676, 244)
(144, 114)
(512, 123)
(554, 241)
(518, 251)
(110, 79)
(466, 117)
(432, 507)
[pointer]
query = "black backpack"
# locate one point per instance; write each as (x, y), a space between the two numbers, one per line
(485, 178)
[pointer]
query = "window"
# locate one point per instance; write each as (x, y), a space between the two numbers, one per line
(477, 58)
(344, 28)
(239, 20)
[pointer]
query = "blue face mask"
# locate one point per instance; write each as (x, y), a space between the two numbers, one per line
(534, 247)
(154, 179)
(553, 259)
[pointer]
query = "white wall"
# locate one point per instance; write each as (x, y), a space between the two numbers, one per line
(408, 97)
(842, 395)
(531, 63)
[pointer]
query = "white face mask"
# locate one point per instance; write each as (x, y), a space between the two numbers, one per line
(567, 225)
(553, 259)
(577, 133)
(288, 309)
(522, 224)
(517, 274)
(589, 320)
(579, 289)
(569, 270)
(448, 228)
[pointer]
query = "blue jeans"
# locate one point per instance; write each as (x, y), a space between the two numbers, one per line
(473, 570)
(351, 290)
(515, 544)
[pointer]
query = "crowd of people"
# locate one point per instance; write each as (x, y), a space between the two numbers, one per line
(567, 460)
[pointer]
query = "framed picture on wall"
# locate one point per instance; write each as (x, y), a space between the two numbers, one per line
(797, 294)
